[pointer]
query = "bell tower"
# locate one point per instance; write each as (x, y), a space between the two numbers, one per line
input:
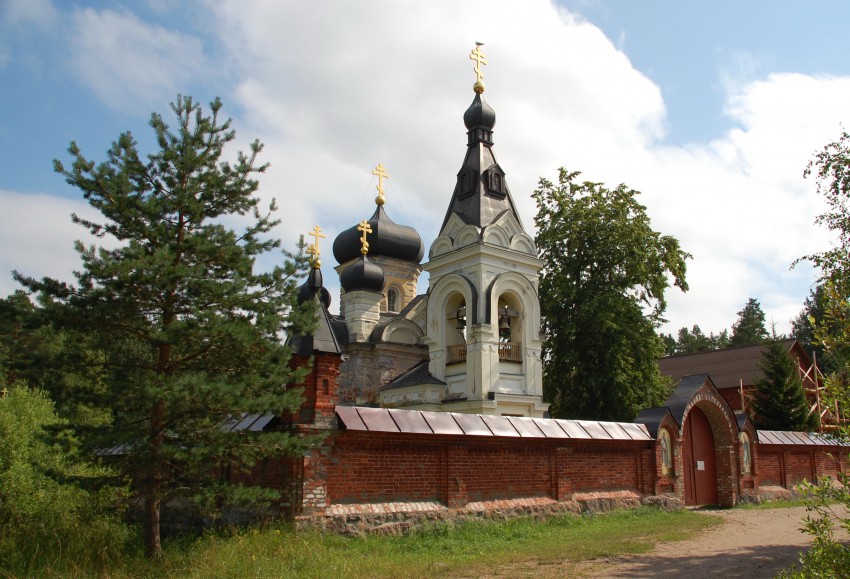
(483, 331)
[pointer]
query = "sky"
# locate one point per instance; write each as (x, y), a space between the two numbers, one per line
(711, 110)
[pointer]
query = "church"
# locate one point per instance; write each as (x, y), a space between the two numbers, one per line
(430, 406)
(470, 344)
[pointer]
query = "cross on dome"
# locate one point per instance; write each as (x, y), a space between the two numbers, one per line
(313, 249)
(479, 59)
(364, 228)
(381, 173)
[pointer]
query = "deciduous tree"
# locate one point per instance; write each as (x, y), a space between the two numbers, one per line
(192, 332)
(602, 298)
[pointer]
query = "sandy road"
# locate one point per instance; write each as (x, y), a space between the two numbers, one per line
(751, 543)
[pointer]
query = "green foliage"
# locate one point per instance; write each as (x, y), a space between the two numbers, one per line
(602, 298)
(62, 362)
(192, 334)
(827, 503)
(43, 515)
(694, 340)
(750, 328)
(830, 319)
(803, 326)
(473, 548)
(780, 403)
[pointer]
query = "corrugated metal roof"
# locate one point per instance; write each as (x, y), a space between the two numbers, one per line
(769, 437)
(250, 422)
(454, 423)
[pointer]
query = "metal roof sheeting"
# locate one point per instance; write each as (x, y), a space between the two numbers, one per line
(768, 437)
(425, 422)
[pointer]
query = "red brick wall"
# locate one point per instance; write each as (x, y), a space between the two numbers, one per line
(375, 467)
(785, 466)
(370, 467)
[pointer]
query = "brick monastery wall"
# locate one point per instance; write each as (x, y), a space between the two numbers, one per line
(369, 467)
(788, 465)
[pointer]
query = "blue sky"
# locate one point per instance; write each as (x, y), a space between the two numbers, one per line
(710, 109)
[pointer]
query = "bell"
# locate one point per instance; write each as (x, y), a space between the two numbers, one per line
(461, 318)
(504, 324)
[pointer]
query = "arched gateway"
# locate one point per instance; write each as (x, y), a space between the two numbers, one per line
(704, 435)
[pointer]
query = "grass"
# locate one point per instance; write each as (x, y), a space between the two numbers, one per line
(439, 550)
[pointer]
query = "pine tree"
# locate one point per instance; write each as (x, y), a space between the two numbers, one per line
(749, 330)
(780, 402)
(193, 334)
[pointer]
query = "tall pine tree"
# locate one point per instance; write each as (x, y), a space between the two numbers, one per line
(780, 402)
(193, 334)
(749, 329)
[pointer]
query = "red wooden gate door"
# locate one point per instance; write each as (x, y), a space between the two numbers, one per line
(698, 459)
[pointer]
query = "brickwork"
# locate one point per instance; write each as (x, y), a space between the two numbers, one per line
(372, 467)
(786, 466)
(370, 366)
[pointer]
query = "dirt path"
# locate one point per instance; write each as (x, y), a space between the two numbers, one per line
(751, 543)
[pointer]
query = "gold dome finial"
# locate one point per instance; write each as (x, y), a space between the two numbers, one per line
(313, 249)
(365, 229)
(479, 59)
(381, 173)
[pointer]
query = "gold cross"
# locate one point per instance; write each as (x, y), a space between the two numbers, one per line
(479, 59)
(381, 173)
(313, 249)
(365, 228)
(3, 392)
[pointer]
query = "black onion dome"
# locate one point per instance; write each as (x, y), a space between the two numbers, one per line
(312, 286)
(479, 114)
(362, 275)
(388, 239)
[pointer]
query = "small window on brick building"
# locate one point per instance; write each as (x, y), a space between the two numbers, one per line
(325, 386)
(392, 300)
(746, 454)
(666, 452)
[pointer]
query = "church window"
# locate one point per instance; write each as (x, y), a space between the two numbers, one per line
(666, 452)
(746, 454)
(392, 300)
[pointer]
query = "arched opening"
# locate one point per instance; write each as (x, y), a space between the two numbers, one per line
(392, 300)
(746, 454)
(666, 452)
(708, 453)
(699, 460)
(509, 320)
(456, 328)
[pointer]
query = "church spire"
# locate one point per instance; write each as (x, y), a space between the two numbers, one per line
(481, 193)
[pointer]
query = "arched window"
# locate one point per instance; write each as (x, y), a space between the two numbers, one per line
(392, 300)
(666, 452)
(746, 454)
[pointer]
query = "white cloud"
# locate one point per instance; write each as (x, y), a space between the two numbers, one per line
(132, 65)
(40, 14)
(335, 88)
(38, 236)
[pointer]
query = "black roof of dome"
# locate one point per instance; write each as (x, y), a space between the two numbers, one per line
(479, 114)
(387, 239)
(313, 285)
(362, 275)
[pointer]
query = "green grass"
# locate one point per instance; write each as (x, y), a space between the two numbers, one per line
(471, 548)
